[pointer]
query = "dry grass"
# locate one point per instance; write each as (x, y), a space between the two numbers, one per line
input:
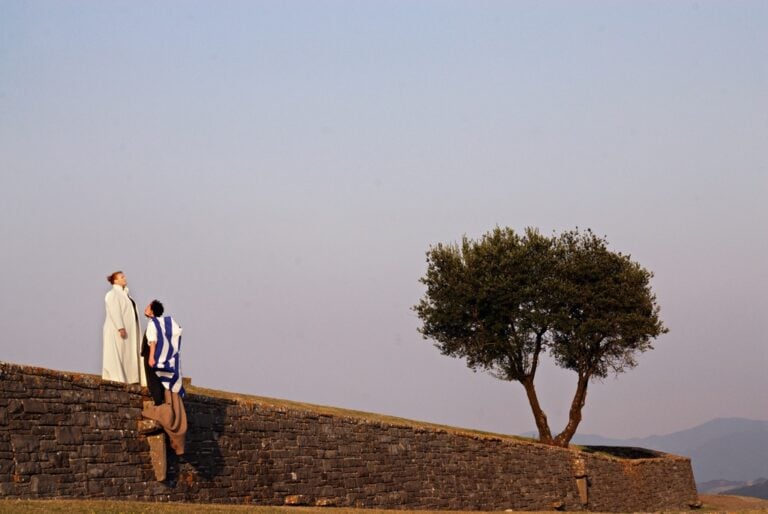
(323, 410)
(712, 503)
(126, 507)
(724, 503)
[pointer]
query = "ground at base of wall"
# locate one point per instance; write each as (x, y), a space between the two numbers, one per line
(712, 503)
(723, 503)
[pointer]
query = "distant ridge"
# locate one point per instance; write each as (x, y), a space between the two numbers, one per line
(757, 490)
(733, 449)
(719, 486)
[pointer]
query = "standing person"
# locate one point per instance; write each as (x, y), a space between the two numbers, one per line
(153, 311)
(121, 334)
(163, 367)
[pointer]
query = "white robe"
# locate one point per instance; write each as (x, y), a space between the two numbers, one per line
(122, 362)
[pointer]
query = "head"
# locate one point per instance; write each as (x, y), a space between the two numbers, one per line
(154, 309)
(118, 278)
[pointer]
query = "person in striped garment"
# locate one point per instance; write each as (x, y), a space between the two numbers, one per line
(163, 364)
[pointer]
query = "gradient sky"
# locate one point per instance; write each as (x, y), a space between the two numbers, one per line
(274, 172)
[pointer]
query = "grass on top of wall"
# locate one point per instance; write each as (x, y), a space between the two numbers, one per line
(323, 410)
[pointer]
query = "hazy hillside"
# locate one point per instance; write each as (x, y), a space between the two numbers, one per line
(758, 490)
(719, 486)
(722, 449)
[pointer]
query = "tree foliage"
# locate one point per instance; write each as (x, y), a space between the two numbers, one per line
(504, 300)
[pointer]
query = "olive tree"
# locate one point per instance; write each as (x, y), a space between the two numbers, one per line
(503, 301)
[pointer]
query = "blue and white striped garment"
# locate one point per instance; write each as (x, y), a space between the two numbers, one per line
(167, 358)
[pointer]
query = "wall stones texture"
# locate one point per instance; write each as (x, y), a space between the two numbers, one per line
(66, 435)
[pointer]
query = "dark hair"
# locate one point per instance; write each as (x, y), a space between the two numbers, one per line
(157, 308)
(111, 278)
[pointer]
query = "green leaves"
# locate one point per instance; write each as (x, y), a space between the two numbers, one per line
(501, 301)
(485, 300)
(606, 311)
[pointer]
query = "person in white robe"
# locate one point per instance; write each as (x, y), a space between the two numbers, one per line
(121, 334)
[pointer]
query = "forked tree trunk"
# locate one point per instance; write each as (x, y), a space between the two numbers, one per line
(545, 435)
(574, 415)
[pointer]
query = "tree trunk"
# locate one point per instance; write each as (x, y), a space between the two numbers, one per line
(574, 416)
(545, 435)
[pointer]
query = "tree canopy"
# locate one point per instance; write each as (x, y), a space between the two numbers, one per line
(503, 301)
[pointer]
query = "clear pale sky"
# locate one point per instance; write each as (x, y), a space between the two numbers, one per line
(274, 172)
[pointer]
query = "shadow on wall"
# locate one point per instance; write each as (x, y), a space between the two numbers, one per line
(202, 450)
(624, 452)
(227, 442)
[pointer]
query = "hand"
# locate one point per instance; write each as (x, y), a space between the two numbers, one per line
(152, 360)
(123, 333)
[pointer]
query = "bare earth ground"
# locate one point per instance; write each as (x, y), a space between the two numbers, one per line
(712, 503)
(723, 503)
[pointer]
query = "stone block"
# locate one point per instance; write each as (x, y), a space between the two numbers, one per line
(15, 406)
(49, 445)
(34, 407)
(13, 388)
(52, 419)
(129, 413)
(157, 453)
(69, 396)
(101, 420)
(297, 499)
(96, 471)
(112, 448)
(115, 398)
(81, 418)
(24, 443)
(78, 466)
(41, 485)
(33, 381)
(69, 435)
(24, 457)
(27, 468)
(89, 450)
(58, 460)
(112, 435)
(95, 487)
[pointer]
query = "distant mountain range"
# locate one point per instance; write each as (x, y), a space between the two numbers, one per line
(724, 449)
(756, 488)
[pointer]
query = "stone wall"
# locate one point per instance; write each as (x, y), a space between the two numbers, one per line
(65, 435)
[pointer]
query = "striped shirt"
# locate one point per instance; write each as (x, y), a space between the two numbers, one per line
(167, 366)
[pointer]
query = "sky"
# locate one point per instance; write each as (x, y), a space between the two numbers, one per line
(275, 172)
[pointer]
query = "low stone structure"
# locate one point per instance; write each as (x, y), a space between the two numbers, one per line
(65, 435)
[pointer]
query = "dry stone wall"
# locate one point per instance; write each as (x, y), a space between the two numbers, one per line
(65, 435)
